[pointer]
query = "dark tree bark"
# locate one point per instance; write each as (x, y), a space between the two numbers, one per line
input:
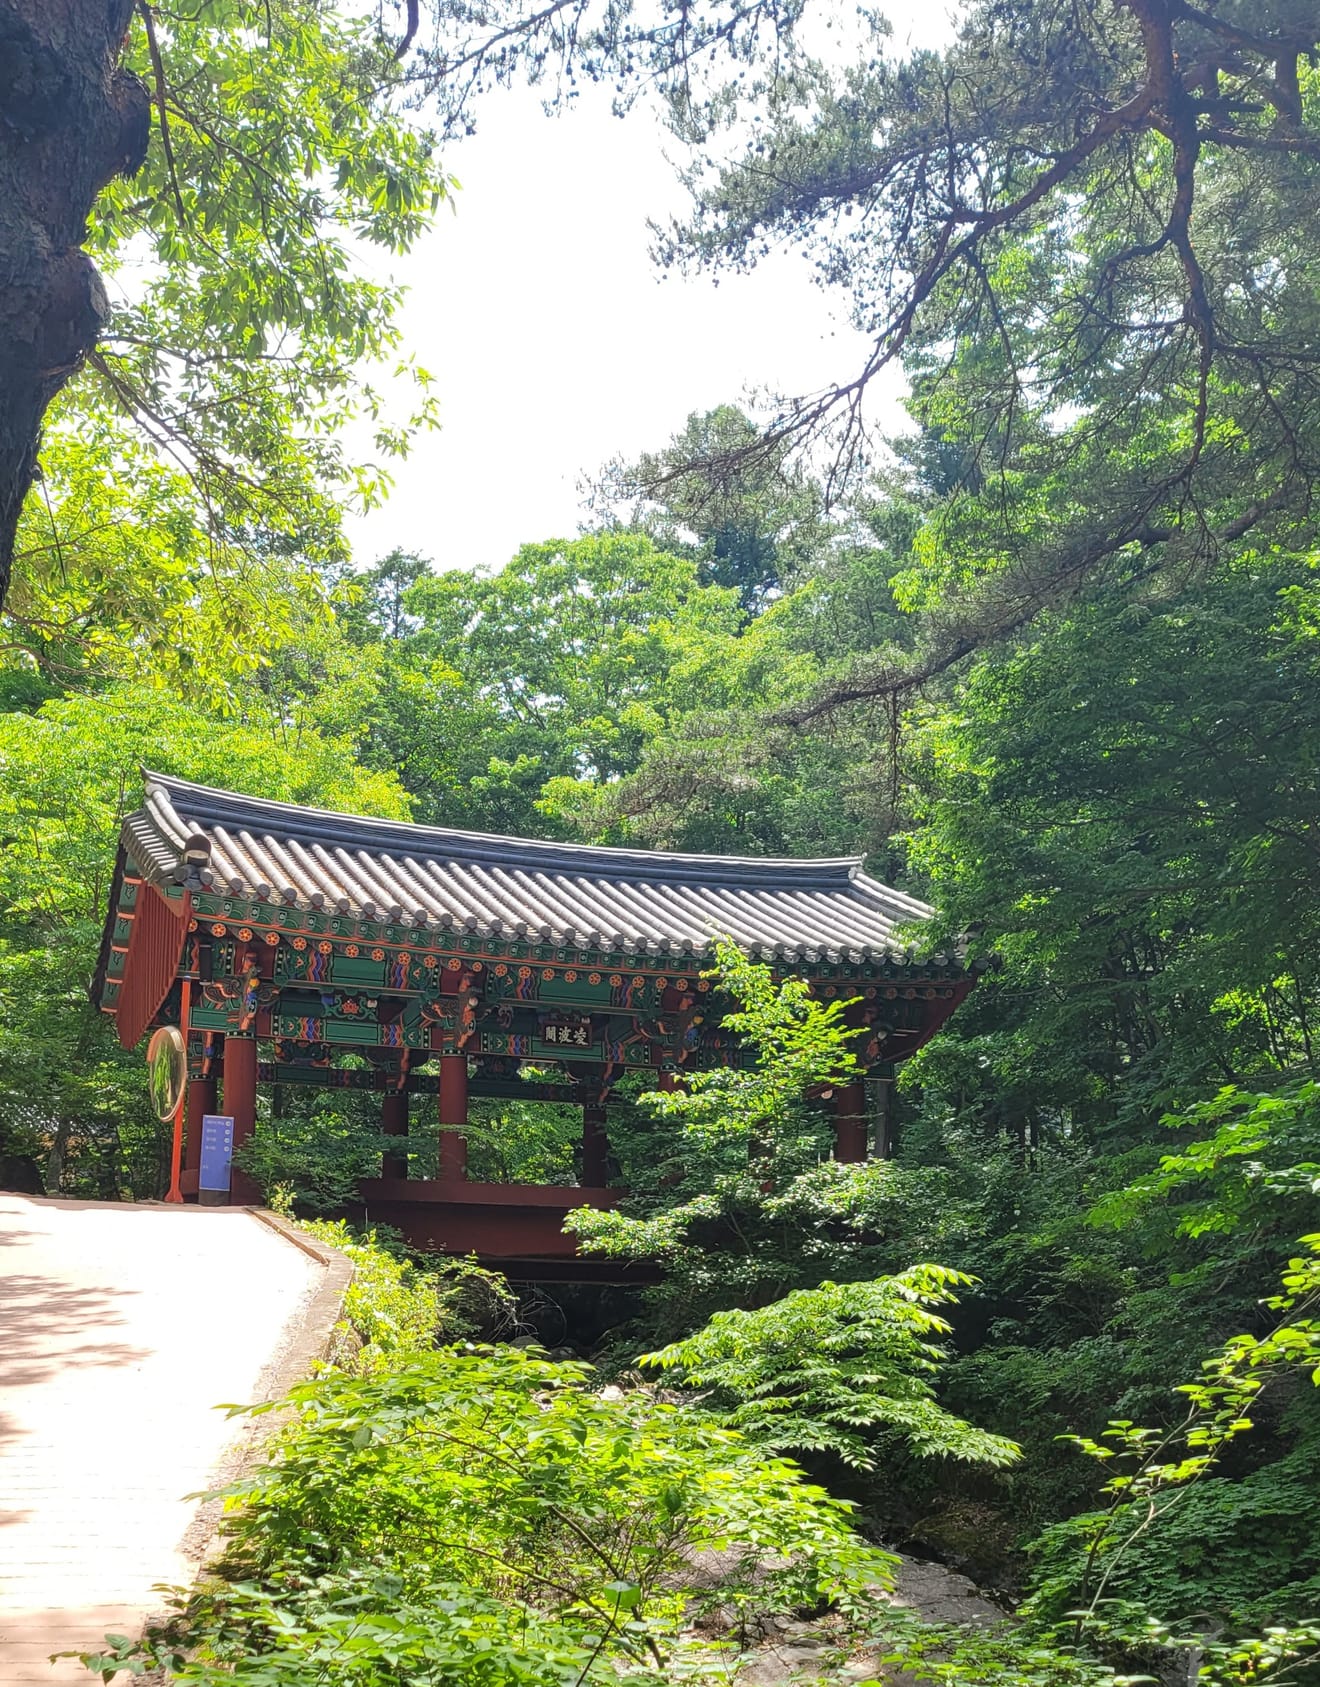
(71, 119)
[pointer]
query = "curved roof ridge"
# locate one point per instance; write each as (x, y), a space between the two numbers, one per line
(593, 896)
(207, 805)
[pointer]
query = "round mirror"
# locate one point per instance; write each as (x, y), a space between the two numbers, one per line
(167, 1070)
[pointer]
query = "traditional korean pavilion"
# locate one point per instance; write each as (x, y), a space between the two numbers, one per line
(283, 939)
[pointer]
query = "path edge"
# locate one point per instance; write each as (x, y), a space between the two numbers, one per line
(308, 1342)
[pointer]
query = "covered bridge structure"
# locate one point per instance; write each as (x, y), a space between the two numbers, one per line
(282, 939)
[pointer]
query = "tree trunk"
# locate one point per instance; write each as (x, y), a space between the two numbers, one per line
(55, 1161)
(71, 119)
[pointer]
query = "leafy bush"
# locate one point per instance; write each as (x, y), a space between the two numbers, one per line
(479, 1515)
(390, 1305)
(1256, 1170)
(1180, 1539)
(821, 1368)
(394, 1306)
(319, 1147)
(703, 1163)
(511, 1141)
(940, 1655)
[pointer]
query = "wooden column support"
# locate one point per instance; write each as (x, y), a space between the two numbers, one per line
(886, 1132)
(850, 1144)
(595, 1146)
(453, 1116)
(394, 1122)
(240, 1092)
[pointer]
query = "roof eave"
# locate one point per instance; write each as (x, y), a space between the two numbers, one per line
(390, 836)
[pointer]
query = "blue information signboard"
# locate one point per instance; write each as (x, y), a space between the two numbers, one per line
(217, 1151)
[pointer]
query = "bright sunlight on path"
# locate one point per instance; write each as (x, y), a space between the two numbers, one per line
(121, 1328)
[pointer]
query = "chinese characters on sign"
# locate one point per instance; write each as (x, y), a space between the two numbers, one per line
(571, 1036)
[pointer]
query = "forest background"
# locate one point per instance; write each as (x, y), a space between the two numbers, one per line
(1049, 659)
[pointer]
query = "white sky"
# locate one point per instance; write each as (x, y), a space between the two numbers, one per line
(554, 342)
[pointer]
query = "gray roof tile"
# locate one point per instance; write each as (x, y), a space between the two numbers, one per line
(650, 901)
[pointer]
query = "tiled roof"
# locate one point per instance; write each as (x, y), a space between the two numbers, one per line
(636, 900)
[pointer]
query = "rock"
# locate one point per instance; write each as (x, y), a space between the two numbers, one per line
(770, 1666)
(797, 1654)
(940, 1595)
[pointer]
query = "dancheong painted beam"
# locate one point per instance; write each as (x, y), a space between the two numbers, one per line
(453, 962)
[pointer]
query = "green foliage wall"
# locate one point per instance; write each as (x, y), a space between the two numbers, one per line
(69, 773)
(486, 1512)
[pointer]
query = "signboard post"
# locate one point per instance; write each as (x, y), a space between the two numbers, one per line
(217, 1152)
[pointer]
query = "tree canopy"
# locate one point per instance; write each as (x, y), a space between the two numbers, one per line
(218, 163)
(1084, 232)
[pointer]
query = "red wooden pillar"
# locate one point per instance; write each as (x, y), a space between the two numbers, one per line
(394, 1122)
(240, 1068)
(595, 1147)
(201, 1099)
(850, 1143)
(453, 1115)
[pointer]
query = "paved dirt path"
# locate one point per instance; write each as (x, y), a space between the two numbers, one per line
(121, 1329)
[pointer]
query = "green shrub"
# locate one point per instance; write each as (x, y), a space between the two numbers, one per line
(836, 1369)
(1180, 1541)
(319, 1147)
(479, 1515)
(395, 1306)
